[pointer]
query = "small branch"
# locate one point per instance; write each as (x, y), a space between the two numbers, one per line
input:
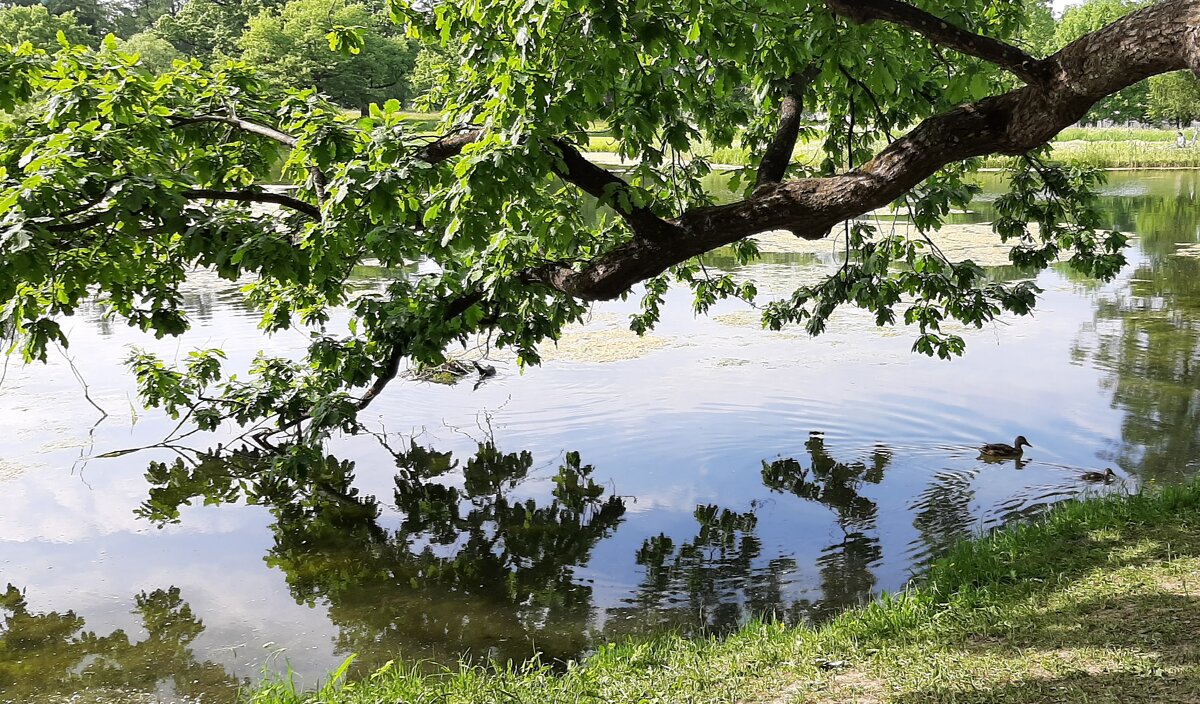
(255, 197)
(244, 125)
(778, 155)
(391, 367)
(79, 377)
(943, 33)
(318, 177)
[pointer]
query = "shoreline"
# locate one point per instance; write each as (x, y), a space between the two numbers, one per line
(1094, 601)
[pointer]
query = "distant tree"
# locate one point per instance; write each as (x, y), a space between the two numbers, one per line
(96, 18)
(1175, 98)
(136, 16)
(292, 47)
(434, 74)
(1037, 33)
(207, 28)
(1130, 104)
(40, 27)
(156, 53)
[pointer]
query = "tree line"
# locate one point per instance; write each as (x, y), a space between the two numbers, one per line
(284, 40)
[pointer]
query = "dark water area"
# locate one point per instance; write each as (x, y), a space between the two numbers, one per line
(688, 481)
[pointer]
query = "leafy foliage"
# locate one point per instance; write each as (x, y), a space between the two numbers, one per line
(1175, 98)
(291, 47)
(124, 180)
(39, 27)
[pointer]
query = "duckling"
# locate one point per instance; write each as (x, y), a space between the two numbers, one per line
(1106, 476)
(999, 449)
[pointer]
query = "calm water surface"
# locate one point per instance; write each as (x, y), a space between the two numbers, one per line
(716, 473)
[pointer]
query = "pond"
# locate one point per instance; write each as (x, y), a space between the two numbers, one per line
(686, 481)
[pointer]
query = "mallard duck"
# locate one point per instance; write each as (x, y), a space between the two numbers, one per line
(1106, 476)
(999, 449)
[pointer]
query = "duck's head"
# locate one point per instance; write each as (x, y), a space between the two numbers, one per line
(1021, 441)
(1109, 474)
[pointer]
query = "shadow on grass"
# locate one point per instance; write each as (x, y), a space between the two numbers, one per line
(1112, 620)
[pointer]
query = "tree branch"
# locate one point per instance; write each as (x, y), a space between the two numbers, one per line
(943, 33)
(244, 125)
(610, 190)
(399, 351)
(1157, 39)
(778, 154)
(448, 146)
(255, 197)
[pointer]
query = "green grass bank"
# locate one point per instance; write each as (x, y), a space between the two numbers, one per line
(1096, 602)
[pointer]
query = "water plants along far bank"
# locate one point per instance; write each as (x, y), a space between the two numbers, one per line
(1096, 601)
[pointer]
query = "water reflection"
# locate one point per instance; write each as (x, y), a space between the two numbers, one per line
(507, 547)
(469, 569)
(845, 566)
(50, 653)
(470, 566)
(1147, 336)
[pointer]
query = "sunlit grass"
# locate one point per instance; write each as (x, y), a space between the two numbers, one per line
(1117, 134)
(1097, 601)
(1117, 155)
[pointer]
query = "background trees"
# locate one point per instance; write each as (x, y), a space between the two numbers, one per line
(291, 46)
(1174, 98)
(37, 25)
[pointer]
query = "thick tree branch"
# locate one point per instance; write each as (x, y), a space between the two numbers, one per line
(942, 33)
(1161, 38)
(610, 190)
(255, 197)
(778, 154)
(450, 145)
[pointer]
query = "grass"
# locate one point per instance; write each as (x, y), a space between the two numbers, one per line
(1117, 155)
(1096, 147)
(1096, 602)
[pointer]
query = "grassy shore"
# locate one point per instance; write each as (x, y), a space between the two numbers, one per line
(1097, 602)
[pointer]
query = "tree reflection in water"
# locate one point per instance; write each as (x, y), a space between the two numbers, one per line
(45, 656)
(1147, 338)
(479, 557)
(469, 569)
(716, 580)
(845, 566)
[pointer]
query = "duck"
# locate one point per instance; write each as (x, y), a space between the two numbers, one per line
(485, 370)
(999, 449)
(1106, 476)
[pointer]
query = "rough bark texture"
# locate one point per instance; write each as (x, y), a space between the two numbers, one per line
(778, 155)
